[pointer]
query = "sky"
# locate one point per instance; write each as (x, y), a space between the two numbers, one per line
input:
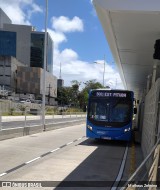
(79, 41)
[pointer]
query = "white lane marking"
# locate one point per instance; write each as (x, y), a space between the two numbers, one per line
(2, 174)
(121, 169)
(32, 160)
(79, 139)
(55, 150)
(69, 143)
(40, 157)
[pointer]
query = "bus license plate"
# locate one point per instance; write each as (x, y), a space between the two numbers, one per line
(107, 138)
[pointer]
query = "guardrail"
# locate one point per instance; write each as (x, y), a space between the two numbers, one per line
(154, 167)
(145, 176)
(30, 118)
(26, 123)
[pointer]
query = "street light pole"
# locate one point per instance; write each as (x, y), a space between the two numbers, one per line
(44, 70)
(104, 70)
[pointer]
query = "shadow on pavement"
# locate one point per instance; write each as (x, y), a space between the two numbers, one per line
(99, 170)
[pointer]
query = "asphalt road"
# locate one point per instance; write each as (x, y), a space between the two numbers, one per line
(63, 156)
(14, 124)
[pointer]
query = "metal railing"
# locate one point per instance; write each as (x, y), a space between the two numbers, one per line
(145, 176)
(30, 118)
(154, 168)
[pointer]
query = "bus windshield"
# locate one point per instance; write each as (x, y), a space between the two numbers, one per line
(109, 110)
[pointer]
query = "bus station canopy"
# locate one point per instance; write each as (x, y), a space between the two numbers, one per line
(131, 28)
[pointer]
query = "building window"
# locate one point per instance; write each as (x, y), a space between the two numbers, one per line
(37, 51)
(8, 43)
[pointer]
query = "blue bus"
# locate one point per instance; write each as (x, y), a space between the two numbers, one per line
(109, 114)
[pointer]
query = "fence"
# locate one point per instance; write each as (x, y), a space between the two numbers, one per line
(31, 118)
(26, 123)
(151, 125)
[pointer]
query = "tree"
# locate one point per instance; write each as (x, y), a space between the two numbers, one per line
(92, 84)
(83, 98)
(63, 95)
(72, 95)
(83, 95)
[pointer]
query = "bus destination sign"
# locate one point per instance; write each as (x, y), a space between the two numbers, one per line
(111, 94)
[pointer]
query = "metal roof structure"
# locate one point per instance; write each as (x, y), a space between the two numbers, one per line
(131, 28)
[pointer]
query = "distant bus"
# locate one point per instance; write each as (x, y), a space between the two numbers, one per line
(109, 114)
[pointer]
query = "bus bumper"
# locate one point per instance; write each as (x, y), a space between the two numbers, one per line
(127, 136)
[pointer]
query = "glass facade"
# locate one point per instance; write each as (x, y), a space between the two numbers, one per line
(8, 43)
(37, 51)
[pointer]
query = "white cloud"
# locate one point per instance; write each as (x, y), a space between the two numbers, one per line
(34, 9)
(74, 69)
(16, 10)
(64, 24)
(69, 55)
(57, 37)
(93, 13)
(20, 12)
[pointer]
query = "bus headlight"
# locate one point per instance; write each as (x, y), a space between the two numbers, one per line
(89, 127)
(127, 130)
